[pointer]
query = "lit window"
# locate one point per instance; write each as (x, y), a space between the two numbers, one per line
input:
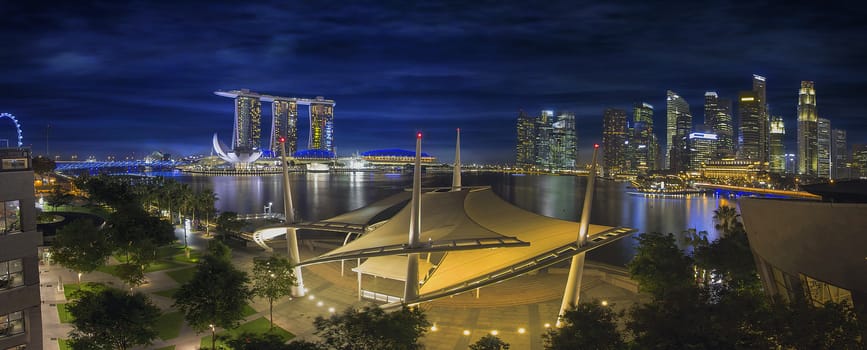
(10, 217)
(11, 274)
(11, 324)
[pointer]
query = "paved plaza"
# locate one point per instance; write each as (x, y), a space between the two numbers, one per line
(518, 310)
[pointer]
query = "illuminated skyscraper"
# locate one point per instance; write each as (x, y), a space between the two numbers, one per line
(750, 129)
(760, 87)
(564, 149)
(614, 141)
(678, 125)
(823, 141)
(524, 149)
(702, 148)
(284, 123)
(839, 155)
(718, 119)
(859, 161)
(321, 125)
(777, 155)
(808, 147)
(248, 120)
(643, 146)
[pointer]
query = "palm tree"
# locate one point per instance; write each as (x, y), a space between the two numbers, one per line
(205, 200)
(726, 219)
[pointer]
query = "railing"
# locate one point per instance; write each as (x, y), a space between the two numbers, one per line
(385, 298)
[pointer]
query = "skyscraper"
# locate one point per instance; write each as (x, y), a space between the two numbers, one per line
(777, 155)
(677, 116)
(823, 141)
(248, 120)
(808, 148)
(702, 148)
(564, 149)
(543, 139)
(321, 125)
(643, 145)
(525, 148)
(718, 120)
(750, 126)
(839, 155)
(760, 88)
(859, 160)
(284, 123)
(614, 141)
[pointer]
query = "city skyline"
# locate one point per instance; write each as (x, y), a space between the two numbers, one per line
(117, 78)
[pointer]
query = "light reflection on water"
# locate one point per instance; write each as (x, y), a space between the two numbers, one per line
(323, 195)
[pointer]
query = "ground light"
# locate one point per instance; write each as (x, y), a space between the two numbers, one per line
(466, 332)
(547, 325)
(522, 330)
(495, 332)
(605, 303)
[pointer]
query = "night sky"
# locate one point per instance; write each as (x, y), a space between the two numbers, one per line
(116, 77)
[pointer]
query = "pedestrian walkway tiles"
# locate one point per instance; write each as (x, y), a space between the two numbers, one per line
(260, 325)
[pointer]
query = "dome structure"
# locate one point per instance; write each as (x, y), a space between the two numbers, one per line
(232, 156)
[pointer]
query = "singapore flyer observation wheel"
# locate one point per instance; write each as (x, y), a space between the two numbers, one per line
(17, 127)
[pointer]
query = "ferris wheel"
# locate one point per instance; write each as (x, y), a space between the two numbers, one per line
(17, 127)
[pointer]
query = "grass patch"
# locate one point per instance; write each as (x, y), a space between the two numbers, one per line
(257, 326)
(182, 258)
(170, 347)
(169, 325)
(64, 344)
(248, 310)
(70, 289)
(183, 275)
(91, 209)
(168, 293)
(63, 313)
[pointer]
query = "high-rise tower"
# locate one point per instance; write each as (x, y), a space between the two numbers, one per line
(808, 148)
(248, 120)
(777, 157)
(676, 129)
(543, 139)
(823, 143)
(718, 119)
(614, 140)
(524, 149)
(760, 88)
(750, 127)
(564, 149)
(284, 123)
(643, 145)
(839, 155)
(321, 125)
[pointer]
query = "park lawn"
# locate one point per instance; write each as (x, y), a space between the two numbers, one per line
(64, 344)
(248, 310)
(182, 275)
(63, 313)
(158, 265)
(257, 326)
(168, 293)
(170, 347)
(169, 325)
(182, 258)
(70, 289)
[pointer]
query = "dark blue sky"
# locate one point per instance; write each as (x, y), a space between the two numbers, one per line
(113, 77)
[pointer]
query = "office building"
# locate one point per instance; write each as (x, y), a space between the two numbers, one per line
(248, 120)
(564, 149)
(614, 141)
(543, 139)
(750, 144)
(20, 313)
(859, 161)
(321, 125)
(702, 149)
(808, 146)
(678, 125)
(839, 155)
(284, 123)
(777, 157)
(718, 120)
(643, 145)
(525, 147)
(823, 143)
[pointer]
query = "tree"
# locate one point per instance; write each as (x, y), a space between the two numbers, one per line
(801, 325)
(59, 197)
(214, 297)
(490, 342)
(372, 328)
(252, 341)
(273, 278)
(206, 201)
(586, 326)
(726, 219)
(43, 166)
(659, 266)
(112, 319)
(730, 259)
(81, 246)
(228, 224)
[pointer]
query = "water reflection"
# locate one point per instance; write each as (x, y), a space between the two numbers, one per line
(323, 195)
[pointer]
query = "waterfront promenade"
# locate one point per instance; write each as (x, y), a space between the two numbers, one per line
(518, 309)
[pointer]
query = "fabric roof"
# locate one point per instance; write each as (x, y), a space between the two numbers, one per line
(363, 215)
(391, 267)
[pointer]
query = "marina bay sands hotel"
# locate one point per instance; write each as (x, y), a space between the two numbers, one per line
(284, 123)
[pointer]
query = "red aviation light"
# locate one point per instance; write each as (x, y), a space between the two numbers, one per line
(282, 139)
(418, 135)
(595, 145)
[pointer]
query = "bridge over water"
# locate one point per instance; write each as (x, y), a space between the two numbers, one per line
(761, 191)
(67, 165)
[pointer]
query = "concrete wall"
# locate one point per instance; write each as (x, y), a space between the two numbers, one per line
(826, 241)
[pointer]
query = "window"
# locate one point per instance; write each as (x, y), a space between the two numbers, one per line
(14, 164)
(821, 292)
(19, 347)
(11, 274)
(11, 324)
(10, 217)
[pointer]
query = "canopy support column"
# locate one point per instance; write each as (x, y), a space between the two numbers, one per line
(576, 268)
(291, 236)
(410, 291)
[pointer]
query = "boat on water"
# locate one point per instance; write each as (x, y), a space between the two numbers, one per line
(318, 168)
(663, 186)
